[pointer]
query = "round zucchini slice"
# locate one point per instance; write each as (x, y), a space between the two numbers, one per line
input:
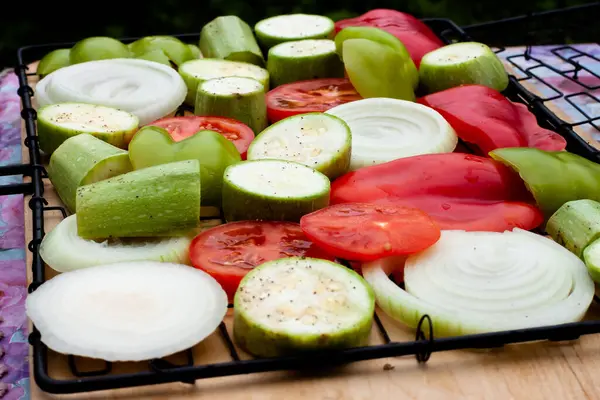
(299, 304)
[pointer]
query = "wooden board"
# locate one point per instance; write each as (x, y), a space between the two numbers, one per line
(542, 370)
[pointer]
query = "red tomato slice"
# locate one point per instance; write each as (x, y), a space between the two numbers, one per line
(229, 251)
(315, 95)
(240, 134)
(366, 232)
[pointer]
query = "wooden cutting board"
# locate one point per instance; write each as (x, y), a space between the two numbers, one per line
(542, 370)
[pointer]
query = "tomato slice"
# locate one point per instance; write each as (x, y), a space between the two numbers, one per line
(240, 134)
(229, 251)
(366, 232)
(315, 95)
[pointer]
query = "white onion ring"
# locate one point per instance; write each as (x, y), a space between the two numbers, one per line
(128, 311)
(146, 89)
(385, 129)
(475, 282)
(63, 250)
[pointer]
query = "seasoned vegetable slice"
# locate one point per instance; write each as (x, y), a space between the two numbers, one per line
(301, 304)
(303, 59)
(272, 190)
(320, 141)
(236, 97)
(58, 122)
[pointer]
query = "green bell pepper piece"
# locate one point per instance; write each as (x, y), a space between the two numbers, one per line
(553, 177)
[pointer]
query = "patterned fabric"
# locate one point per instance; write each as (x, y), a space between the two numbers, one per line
(548, 84)
(14, 349)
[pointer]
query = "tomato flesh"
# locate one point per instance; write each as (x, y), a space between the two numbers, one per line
(366, 232)
(240, 134)
(315, 95)
(229, 251)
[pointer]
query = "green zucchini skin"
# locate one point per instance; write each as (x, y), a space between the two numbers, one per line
(241, 204)
(229, 38)
(591, 257)
(81, 160)
(286, 69)
(266, 40)
(249, 108)
(254, 339)
(196, 72)
(263, 341)
(51, 134)
(162, 200)
(295, 129)
(575, 225)
(439, 71)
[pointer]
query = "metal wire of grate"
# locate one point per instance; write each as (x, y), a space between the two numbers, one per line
(162, 371)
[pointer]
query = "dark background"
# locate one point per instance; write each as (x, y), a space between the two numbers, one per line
(32, 22)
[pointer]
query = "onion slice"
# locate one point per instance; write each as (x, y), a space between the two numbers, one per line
(385, 129)
(63, 250)
(127, 311)
(146, 89)
(476, 282)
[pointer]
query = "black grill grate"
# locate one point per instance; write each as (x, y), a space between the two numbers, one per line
(162, 371)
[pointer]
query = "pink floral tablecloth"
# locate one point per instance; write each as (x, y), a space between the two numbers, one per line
(14, 369)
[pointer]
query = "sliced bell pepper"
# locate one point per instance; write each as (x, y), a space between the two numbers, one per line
(417, 37)
(460, 191)
(484, 117)
(553, 178)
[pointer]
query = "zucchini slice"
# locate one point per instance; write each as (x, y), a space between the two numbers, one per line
(234, 97)
(301, 304)
(290, 27)
(462, 64)
(302, 60)
(197, 71)
(320, 141)
(162, 200)
(81, 160)
(273, 190)
(229, 38)
(58, 122)
(575, 225)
